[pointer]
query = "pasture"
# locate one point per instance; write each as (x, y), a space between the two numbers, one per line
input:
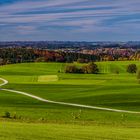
(48, 80)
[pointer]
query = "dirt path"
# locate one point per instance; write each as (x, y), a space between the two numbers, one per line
(62, 103)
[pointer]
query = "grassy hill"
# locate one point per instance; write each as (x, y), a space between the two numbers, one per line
(107, 89)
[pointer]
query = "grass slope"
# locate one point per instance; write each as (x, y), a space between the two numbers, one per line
(17, 131)
(120, 91)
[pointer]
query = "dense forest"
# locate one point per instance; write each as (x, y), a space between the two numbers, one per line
(23, 54)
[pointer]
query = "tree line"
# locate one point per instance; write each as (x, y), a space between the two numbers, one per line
(21, 54)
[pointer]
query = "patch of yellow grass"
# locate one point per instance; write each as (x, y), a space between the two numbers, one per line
(48, 78)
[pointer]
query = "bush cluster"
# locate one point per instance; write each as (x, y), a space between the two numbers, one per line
(90, 68)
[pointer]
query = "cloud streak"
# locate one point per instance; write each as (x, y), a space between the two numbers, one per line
(74, 20)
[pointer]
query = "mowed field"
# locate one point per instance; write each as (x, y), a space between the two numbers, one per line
(33, 119)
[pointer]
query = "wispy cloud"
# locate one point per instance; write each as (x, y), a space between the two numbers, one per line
(83, 19)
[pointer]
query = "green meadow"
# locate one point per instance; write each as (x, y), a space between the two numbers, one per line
(31, 119)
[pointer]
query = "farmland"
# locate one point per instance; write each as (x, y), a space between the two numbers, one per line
(53, 121)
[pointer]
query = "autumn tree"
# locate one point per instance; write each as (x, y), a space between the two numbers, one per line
(91, 68)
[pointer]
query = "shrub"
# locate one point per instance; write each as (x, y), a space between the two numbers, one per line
(91, 68)
(15, 116)
(70, 69)
(132, 68)
(7, 115)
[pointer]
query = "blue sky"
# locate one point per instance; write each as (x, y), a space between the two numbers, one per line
(72, 20)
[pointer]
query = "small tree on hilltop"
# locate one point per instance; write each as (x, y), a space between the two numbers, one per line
(132, 68)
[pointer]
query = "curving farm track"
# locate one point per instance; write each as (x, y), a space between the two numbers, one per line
(63, 103)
